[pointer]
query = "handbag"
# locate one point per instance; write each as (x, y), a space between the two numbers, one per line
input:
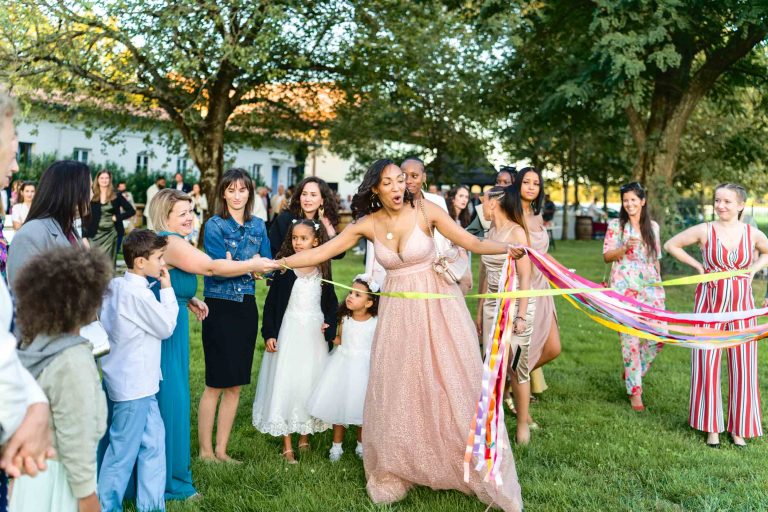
(451, 267)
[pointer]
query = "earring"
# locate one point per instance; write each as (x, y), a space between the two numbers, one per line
(322, 211)
(373, 200)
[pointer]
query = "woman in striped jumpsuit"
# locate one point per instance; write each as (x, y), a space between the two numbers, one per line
(726, 244)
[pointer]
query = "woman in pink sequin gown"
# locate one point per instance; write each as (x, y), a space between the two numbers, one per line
(426, 371)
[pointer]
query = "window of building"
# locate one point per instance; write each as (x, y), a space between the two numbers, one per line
(181, 165)
(25, 153)
(142, 162)
(81, 155)
(256, 173)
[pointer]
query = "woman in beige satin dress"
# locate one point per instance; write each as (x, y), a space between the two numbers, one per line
(426, 373)
(500, 208)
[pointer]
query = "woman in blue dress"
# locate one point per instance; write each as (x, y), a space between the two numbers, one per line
(172, 215)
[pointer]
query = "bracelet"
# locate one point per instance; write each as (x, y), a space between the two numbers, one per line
(283, 262)
(520, 318)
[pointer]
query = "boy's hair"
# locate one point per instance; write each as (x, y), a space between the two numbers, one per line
(344, 310)
(60, 290)
(141, 243)
(320, 234)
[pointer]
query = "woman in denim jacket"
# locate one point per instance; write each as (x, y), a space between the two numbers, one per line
(232, 325)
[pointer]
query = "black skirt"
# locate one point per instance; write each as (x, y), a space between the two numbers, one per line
(229, 339)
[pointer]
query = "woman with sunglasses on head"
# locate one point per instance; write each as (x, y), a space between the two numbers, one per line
(726, 244)
(633, 246)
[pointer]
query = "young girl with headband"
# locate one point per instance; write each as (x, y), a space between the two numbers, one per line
(299, 322)
(340, 393)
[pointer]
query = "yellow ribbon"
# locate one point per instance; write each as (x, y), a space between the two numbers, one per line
(680, 281)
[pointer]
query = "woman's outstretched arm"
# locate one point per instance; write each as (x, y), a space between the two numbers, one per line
(344, 241)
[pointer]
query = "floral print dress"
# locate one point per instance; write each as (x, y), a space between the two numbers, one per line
(631, 276)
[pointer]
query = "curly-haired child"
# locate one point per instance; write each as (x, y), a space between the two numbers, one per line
(340, 392)
(58, 292)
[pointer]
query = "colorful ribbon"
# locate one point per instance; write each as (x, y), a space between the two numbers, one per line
(627, 315)
(484, 442)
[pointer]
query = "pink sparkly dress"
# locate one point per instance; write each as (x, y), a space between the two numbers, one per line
(423, 387)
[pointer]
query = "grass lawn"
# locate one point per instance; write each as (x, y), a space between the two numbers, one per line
(592, 453)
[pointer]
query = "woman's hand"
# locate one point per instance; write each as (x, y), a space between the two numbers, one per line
(699, 268)
(30, 446)
(765, 302)
(328, 227)
(262, 265)
(271, 345)
(519, 325)
(632, 244)
(198, 307)
(515, 251)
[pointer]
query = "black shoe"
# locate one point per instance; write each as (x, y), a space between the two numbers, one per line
(713, 445)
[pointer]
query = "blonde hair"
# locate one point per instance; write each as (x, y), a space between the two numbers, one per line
(8, 105)
(162, 204)
(739, 190)
(8, 108)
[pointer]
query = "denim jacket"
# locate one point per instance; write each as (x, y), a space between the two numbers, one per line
(242, 242)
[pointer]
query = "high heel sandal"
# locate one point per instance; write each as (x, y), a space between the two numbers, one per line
(289, 459)
(304, 447)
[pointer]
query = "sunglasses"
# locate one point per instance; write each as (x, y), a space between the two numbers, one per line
(631, 186)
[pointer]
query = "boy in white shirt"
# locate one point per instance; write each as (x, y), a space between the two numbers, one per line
(136, 323)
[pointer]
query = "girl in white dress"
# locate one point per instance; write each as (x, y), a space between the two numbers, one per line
(340, 393)
(298, 324)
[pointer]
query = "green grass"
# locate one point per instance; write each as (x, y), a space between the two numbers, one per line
(592, 453)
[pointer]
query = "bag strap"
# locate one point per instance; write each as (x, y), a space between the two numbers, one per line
(429, 227)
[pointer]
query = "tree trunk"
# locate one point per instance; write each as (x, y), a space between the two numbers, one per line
(207, 151)
(676, 93)
(605, 190)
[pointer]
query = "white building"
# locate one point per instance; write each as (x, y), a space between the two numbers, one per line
(133, 152)
(333, 169)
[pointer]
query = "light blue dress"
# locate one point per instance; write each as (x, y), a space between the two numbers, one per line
(173, 397)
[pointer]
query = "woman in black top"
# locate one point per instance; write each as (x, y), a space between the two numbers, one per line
(312, 200)
(108, 211)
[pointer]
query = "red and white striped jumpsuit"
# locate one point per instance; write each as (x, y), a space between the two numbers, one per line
(735, 294)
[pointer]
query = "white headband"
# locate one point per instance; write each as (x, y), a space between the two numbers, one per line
(368, 280)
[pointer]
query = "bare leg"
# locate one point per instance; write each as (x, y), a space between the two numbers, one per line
(338, 433)
(227, 412)
(304, 442)
(551, 347)
(288, 450)
(206, 415)
(522, 394)
(360, 434)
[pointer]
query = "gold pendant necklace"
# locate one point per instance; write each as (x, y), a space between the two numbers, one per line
(389, 235)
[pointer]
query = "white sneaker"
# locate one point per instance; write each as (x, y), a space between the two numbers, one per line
(359, 450)
(335, 453)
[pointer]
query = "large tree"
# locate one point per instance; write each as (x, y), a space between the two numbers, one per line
(208, 67)
(417, 84)
(649, 61)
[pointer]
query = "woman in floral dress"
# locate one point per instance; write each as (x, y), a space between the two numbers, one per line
(633, 245)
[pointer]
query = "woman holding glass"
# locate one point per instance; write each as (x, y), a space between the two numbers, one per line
(633, 246)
